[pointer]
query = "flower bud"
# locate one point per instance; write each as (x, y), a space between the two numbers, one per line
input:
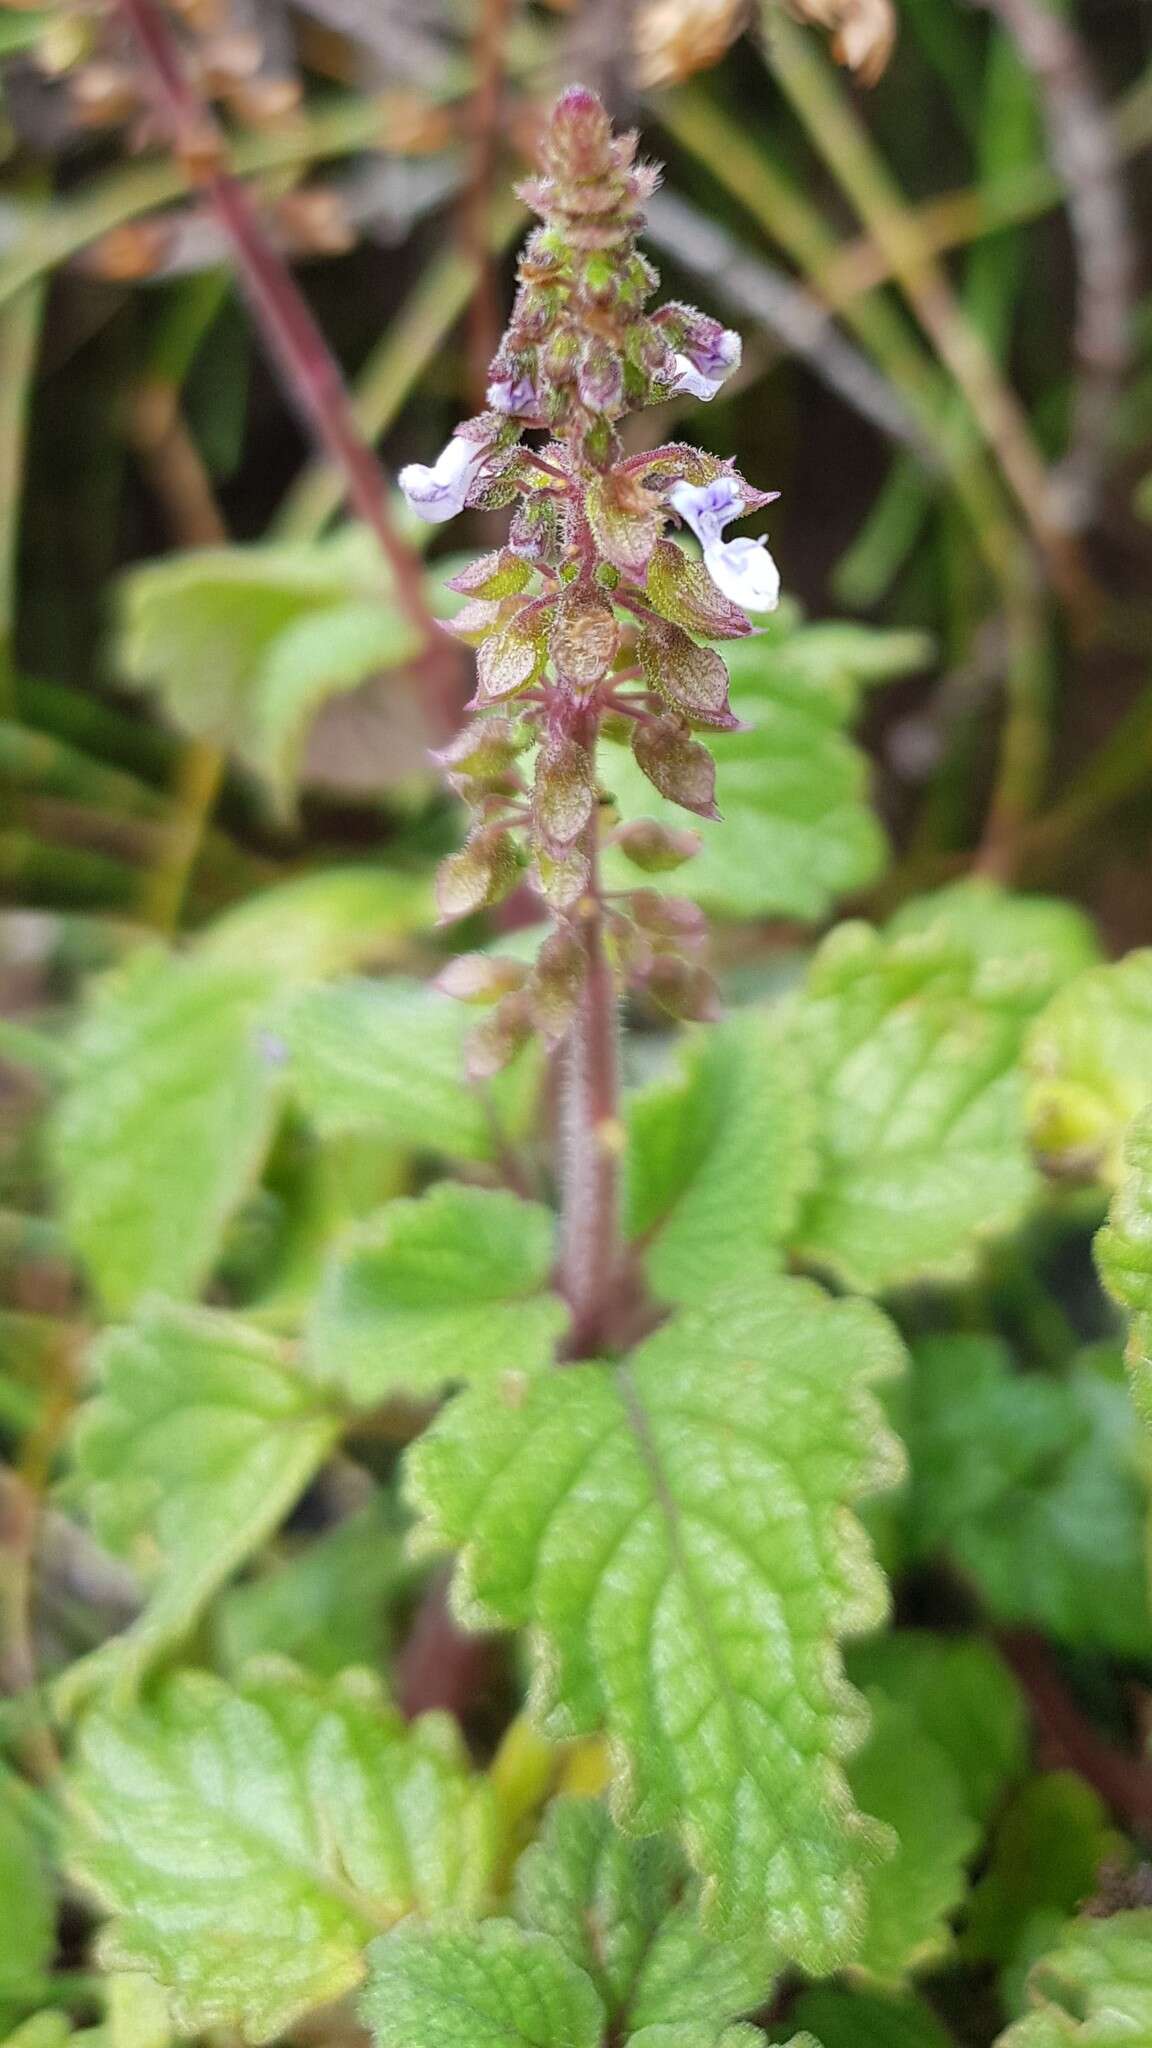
(677, 765)
(564, 795)
(682, 991)
(585, 637)
(655, 848)
(481, 873)
(480, 977)
(495, 1041)
(556, 982)
(600, 376)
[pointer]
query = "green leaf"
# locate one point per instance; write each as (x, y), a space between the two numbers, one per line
(243, 644)
(165, 1121)
(908, 1781)
(249, 1842)
(1090, 1058)
(426, 1293)
(193, 1449)
(675, 1531)
(388, 1056)
(1034, 1489)
(911, 1047)
(322, 923)
(1094, 1990)
(1124, 1256)
(797, 829)
(494, 1986)
(23, 31)
(318, 656)
(1026, 945)
(962, 1696)
(28, 1922)
(623, 1911)
(718, 1158)
(326, 1606)
(1047, 1851)
(865, 2019)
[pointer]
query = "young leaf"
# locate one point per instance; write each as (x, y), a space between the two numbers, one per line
(962, 1695)
(907, 1780)
(194, 1447)
(1124, 1256)
(493, 1986)
(718, 1159)
(1094, 1990)
(448, 1288)
(625, 1911)
(165, 1122)
(28, 1922)
(1090, 1057)
(911, 1046)
(675, 1531)
(1033, 1487)
(250, 1842)
(386, 1055)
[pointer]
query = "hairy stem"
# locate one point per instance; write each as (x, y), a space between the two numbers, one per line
(592, 1134)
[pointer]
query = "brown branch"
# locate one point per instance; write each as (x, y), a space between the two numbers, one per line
(1068, 1738)
(294, 340)
(439, 1666)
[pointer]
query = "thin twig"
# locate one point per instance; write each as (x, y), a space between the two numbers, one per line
(1069, 1738)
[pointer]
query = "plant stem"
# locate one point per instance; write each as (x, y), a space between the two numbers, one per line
(592, 1133)
(293, 338)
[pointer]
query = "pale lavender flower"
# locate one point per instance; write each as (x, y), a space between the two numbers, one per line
(513, 394)
(706, 363)
(440, 492)
(743, 569)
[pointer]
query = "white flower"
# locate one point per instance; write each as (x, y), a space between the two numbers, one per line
(743, 569)
(441, 492)
(706, 365)
(745, 572)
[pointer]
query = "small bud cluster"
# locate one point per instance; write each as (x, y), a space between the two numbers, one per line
(589, 621)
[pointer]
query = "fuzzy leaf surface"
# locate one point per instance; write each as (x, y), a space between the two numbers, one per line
(675, 1533)
(1029, 945)
(718, 1159)
(249, 1842)
(451, 1287)
(493, 1986)
(192, 1450)
(911, 1047)
(1094, 1990)
(628, 1913)
(165, 1120)
(323, 923)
